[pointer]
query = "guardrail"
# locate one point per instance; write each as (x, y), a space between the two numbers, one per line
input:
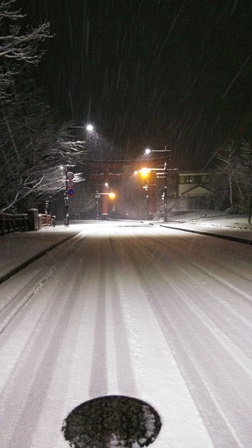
(13, 222)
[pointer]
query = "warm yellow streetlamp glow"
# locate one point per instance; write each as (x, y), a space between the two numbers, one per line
(112, 195)
(145, 172)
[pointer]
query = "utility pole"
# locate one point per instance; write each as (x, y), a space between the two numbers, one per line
(162, 174)
(69, 192)
(165, 192)
(146, 187)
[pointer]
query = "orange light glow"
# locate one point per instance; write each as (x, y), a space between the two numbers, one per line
(144, 172)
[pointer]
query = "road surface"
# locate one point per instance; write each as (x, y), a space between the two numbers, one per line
(135, 310)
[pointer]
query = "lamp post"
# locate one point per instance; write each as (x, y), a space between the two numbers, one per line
(145, 172)
(146, 188)
(148, 151)
(89, 127)
(165, 192)
(165, 150)
(162, 172)
(69, 192)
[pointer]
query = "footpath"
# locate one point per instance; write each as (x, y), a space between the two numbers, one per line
(18, 249)
(230, 227)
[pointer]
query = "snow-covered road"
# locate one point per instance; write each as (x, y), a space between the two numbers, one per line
(141, 311)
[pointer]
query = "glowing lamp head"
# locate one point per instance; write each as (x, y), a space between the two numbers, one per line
(147, 151)
(112, 195)
(89, 127)
(144, 172)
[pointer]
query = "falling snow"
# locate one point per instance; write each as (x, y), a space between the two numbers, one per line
(151, 73)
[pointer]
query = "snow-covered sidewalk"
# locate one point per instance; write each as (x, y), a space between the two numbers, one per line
(17, 249)
(229, 226)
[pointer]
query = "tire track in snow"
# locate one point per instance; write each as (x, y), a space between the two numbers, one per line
(99, 376)
(23, 396)
(206, 404)
(217, 270)
(165, 389)
(19, 396)
(174, 326)
(98, 381)
(218, 299)
(109, 298)
(14, 304)
(22, 332)
(199, 281)
(209, 296)
(125, 372)
(227, 314)
(9, 312)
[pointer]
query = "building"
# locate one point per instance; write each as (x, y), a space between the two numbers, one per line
(194, 190)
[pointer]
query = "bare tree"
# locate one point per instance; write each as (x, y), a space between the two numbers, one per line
(34, 147)
(236, 165)
(17, 45)
(219, 187)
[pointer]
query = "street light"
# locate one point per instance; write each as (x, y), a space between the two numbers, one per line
(164, 173)
(148, 151)
(144, 172)
(89, 127)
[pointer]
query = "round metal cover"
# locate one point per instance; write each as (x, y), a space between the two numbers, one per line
(112, 421)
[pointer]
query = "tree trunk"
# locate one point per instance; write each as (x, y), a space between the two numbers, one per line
(230, 190)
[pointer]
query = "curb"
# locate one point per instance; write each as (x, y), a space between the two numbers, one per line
(214, 235)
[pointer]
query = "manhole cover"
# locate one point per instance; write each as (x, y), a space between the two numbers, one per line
(112, 421)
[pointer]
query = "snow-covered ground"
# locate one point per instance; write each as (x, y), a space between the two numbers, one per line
(17, 248)
(220, 225)
(128, 308)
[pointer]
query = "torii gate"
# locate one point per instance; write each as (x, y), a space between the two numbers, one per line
(109, 169)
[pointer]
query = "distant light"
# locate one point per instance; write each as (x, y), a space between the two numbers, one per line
(112, 195)
(145, 172)
(89, 127)
(147, 151)
(106, 184)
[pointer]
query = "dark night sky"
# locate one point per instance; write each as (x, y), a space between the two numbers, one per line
(151, 72)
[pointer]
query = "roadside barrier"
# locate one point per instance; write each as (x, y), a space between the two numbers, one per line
(13, 222)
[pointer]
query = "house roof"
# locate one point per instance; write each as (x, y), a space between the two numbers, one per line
(196, 190)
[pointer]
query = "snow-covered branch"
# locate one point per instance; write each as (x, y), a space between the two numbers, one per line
(17, 44)
(235, 162)
(34, 146)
